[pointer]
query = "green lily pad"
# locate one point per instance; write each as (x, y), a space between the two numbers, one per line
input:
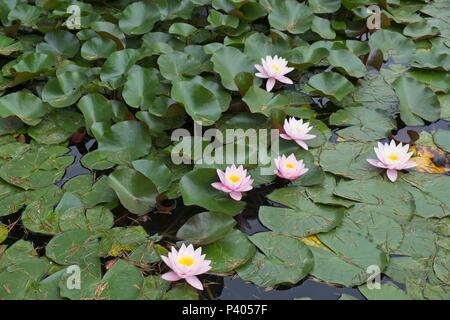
(134, 190)
(117, 66)
(323, 193)
(23, 104)
(347, 259)
(127, 140)
(199, 102)
(348, 61)
(330, 84)
(57, 127)
(72, 247)
(442, 139)
(396, 199)
(154, 288)
(228, 63)
(90, 277)
(302, 218)
(206, 227)
(283, 260)
(417, 101)
(97, 48)
(135, 91)
(118, 240)
(364, 124)
(290, 16)
(196, 189)
(388, 291)
(181, 291)
(122, 282)
(349, 160)
(230, 252)
(139, 17)
(392, 44)
(429, 194)
(61, 42)
(91, 193)
(37, 168)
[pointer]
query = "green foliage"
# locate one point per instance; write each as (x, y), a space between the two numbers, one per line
(108, 95)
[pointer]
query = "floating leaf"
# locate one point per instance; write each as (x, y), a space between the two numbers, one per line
(229, 252)
(283, 260)
(72, 247)
(330, 84)
(139, 17)
(135, 191)
(200, 103)
(364, 124)
(57, 127)
(442, 139)
(417, 102)
(348, 260)
(135, 90)
(302, 218)
(122, 281)
(229, 62)
(348, 159)
(196, 189)
(206, 227)
(40, 167)
(23, 104)
(388, 291)
(291, 16)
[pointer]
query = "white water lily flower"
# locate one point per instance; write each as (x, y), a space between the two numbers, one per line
(273, 69)
(297, 130)
(187, 264)
(393, 158)
(289, 168)
(233, 181)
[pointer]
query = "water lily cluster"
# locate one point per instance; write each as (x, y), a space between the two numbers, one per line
(234, 180)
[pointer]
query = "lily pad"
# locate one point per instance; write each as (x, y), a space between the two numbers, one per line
(196, 189)
(206, 227)
(348, 159)
(347, 259)
(302, 218)
(229, 252)
(134, 190)
(283, 260)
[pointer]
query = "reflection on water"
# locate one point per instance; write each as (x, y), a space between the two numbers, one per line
(410, 134)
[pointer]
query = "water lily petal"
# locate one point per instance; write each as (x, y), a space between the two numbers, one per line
(171, 276)
(392, 174)
(270, 84)
(195, 282)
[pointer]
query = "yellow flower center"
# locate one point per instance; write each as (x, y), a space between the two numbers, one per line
(276, 67)
(289, 165)
(234, 178)
(186, 261)
(393, 157)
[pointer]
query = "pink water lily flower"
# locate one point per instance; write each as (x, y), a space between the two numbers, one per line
(393, 158)
(289, 168)
(233, 181)
(273, 69)
(297, 130)
(187, 264)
